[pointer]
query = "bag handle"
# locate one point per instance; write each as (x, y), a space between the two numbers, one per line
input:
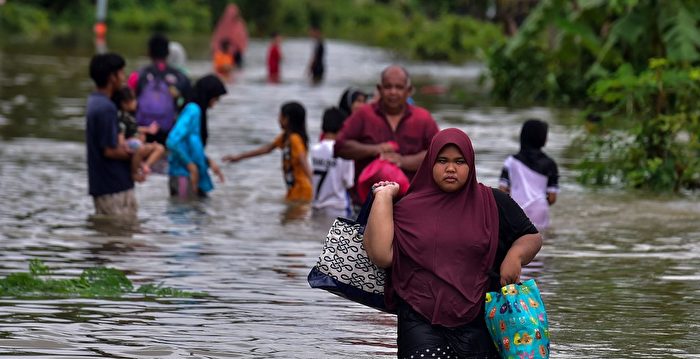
(363, 216)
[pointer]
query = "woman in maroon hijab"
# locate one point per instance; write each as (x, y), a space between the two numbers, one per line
(446, 243)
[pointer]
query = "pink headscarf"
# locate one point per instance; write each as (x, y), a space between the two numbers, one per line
(444, 243)
(231, 26)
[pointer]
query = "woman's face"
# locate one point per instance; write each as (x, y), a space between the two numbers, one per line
(283, 122)
(359, 101)
(450, 170)
(213, 101)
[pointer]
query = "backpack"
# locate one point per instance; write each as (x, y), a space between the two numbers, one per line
(156, 103)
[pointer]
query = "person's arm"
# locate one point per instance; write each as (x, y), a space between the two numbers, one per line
(355, 150)
(216, 169)
(504, 181)
(379, 233)
(266, 148)
(117, 153)
(407, 162)
(551, 198)
(109, 138)
(520, 253)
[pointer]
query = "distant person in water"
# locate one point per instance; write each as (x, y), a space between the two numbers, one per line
(160, 89)
(109, 165)
(223, 60)
(133, 137)
(188, 164)
(294, 143)
(231, 26)
(274, 58)
(317, 67)
(530, 176)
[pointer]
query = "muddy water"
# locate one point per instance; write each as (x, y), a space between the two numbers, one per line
(619, 271)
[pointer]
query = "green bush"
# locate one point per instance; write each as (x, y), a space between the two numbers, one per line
(23, 19)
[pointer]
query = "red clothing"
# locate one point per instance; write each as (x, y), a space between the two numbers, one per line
(274, 56)
(369, 125)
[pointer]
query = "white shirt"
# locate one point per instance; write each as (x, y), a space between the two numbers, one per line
(529, 189)
(332, 177)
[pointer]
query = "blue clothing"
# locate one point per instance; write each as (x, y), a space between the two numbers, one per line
(105, 175)
(185, 146)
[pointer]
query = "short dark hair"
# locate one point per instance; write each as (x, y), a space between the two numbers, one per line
(333, 120)
(104, 65)
(158, 47)
(122, 95)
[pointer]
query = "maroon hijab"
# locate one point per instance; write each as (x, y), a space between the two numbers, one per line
(444, 243)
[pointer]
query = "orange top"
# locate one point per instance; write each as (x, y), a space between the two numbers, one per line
(223, 62)
(298, 182)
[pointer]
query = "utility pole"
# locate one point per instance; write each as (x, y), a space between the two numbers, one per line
(100, 27)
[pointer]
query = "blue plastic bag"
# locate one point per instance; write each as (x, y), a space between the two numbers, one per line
(517, 321)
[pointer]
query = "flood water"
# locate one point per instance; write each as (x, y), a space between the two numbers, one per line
(619, 271)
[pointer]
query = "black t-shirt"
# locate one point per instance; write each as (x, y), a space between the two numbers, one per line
(127, 124)
(105, 175)
(513, 223)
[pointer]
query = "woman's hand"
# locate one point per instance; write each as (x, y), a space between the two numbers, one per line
(510, 270)
(217, 170)
(194, 175)
(387, 187)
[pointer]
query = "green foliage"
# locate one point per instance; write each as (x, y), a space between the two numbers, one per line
(24, 19)
(627, 59)
(166, 16)
(98, 282)
(661, 149)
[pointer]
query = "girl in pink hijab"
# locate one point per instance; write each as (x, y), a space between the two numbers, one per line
(446, 243)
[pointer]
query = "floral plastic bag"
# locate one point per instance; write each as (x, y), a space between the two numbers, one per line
(517, 321)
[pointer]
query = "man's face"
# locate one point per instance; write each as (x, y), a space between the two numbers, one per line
(118, 79)
(394, 89)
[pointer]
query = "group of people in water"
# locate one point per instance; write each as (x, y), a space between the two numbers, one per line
(445, 240)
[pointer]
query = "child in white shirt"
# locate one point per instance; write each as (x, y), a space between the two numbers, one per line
(332, 176)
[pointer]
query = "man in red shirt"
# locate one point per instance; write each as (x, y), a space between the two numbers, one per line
(274, 57)
(367, 132)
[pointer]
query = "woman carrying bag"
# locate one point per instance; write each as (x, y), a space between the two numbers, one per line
(441, 244)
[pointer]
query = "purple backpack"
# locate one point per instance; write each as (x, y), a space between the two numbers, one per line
(156, 103)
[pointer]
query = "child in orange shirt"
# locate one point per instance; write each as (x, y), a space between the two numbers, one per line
(294, 143)
(223, 59)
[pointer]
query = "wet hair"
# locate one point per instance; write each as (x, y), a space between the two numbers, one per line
(296, 120)
(333, 119)
(124, 94)
(102, 66)
(533, 134)
(405, 72)
(158, 47)
(274, 34)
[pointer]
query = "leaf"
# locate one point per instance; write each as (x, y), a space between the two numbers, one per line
(680, 32)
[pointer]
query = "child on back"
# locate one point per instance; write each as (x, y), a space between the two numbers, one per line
(530, 176)
(132, 137)
(294, 143)
(332, 177)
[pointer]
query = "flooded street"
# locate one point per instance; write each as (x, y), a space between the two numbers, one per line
(619, 271)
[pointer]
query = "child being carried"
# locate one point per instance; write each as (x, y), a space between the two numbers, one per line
(133, 137)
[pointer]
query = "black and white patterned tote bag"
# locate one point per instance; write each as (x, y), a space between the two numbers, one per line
(344, 269)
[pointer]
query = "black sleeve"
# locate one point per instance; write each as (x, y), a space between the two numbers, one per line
(512, 224)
